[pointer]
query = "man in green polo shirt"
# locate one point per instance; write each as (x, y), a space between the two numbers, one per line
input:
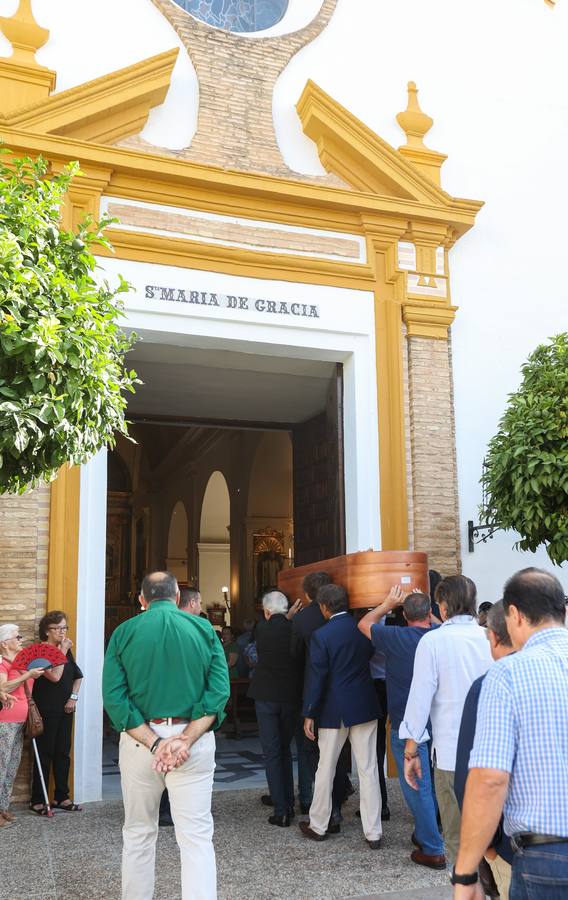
(165, 687)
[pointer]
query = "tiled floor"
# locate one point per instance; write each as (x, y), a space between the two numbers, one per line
(239, 765)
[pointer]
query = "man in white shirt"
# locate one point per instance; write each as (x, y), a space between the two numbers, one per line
(447, 662)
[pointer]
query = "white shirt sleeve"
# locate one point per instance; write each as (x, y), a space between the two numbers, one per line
(424, 686)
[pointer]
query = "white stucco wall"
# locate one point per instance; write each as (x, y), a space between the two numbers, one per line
(493, 76)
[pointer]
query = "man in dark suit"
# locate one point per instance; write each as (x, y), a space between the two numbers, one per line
(275, 689)
(305, 623)
(341, 698)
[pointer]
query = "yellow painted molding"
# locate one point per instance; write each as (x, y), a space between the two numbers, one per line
(22, 79)
(382, 238)
(84, 194)
(106, 109)
(173, 251)
(161, 179)
(353, 151)
(63, 557)
(428, 319)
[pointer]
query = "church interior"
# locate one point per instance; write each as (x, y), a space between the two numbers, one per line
(206, 485)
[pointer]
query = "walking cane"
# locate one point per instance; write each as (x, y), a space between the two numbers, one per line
(49, 811)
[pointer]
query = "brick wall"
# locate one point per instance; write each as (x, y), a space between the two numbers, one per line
(237, 75)
(24, 539)
(434, 499)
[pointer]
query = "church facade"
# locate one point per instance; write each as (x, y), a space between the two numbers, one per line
(324, 319)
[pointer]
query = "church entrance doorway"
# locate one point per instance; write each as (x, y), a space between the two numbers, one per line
(223, 503)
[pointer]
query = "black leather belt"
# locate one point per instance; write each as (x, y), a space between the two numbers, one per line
(529, 839)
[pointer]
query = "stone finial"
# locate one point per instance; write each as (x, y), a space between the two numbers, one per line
(415, 125)
(23, 81)
(23, 32)
(413, 121)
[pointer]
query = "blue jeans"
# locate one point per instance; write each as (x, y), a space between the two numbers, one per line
(276, 726)
(540, 873)
(305, 782)
(421, 803)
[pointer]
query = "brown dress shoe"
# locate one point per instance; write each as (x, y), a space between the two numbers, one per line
(310, 833)
(425, 859)
(7, 816)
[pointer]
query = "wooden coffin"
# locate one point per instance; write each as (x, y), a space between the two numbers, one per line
(367, 576)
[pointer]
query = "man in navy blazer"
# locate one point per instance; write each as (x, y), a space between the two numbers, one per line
(341, 700)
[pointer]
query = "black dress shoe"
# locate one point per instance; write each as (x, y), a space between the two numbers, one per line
(165, 821)
(333, 828)
(310, 833)
(281, 821)
(305, 808)
(267, 800)
(374, 845)
(385, 814)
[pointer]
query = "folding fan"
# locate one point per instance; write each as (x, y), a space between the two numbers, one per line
(39, 656)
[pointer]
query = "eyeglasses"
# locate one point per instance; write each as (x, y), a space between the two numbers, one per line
(58, 627)
(19, 637)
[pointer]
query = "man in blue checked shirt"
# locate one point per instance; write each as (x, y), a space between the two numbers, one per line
(519, 761)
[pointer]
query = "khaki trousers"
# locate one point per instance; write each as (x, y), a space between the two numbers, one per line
(363, 740)
(190, 789)
(449, 812)
(502, 875)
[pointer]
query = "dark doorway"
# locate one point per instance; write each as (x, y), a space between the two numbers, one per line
(318, 475)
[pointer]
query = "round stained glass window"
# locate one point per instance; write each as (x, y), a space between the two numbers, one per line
(237, 15)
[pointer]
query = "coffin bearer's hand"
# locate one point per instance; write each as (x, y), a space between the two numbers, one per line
(395, 597)
(296, 607)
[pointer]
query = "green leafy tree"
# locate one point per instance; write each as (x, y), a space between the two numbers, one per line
(526, 473)
(62, 373)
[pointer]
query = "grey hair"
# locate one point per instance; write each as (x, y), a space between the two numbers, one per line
(417, 607)
(275, 602)
(497, 623)
(7, 632)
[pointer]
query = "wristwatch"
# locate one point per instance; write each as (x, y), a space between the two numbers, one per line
(73, 696)
(464, 879)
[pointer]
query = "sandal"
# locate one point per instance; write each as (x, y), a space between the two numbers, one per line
(66, 806)
(38, 808)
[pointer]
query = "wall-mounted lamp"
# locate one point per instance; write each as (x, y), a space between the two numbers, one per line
(225, 592)
(475, 536)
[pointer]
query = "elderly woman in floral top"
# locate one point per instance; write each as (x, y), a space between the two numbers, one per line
(13, 714)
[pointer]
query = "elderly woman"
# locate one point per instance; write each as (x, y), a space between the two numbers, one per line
(13, 714)
(275, 689)
(56, 703)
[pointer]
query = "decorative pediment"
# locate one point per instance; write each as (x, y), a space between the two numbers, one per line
(104, 110)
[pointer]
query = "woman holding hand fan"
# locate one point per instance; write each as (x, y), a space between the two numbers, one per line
(56, 701)
(13, 715)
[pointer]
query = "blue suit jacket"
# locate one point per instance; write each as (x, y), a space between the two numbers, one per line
(340, 688)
